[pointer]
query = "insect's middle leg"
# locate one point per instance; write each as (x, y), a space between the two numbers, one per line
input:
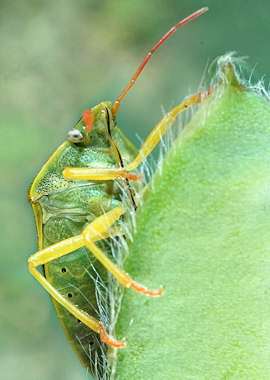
(89, 233)
(99, 229)
(150, 143)
(63, 248)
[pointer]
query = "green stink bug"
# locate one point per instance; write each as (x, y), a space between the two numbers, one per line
(77, 199)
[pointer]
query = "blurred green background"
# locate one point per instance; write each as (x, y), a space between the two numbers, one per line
(58, 58)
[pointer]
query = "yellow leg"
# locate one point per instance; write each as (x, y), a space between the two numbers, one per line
(121, 276)
(97, 174)
(161, 128)
(64, 247)
(97, 230)
(150, 143)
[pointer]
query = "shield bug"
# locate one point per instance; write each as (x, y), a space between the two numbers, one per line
(77, 199)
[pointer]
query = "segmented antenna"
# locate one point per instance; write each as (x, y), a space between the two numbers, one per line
(149, 55)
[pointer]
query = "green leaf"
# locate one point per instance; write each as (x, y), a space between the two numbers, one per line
(204, 233)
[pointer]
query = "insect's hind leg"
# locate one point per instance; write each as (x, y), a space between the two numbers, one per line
(150, 143)
(63, 248)
(99, 229)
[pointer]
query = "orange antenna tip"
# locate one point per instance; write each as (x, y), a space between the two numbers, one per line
(88, 118)
(150, 54)
(191, 17)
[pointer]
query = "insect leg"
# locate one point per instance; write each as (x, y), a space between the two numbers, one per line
(150, 143)
(64, 247)
(120, 275)
(97, 174)
(98, 226)
(162, 127)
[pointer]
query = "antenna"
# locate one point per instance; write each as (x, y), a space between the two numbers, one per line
(149, 55)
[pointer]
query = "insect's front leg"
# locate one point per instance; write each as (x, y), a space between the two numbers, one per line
(150, 143)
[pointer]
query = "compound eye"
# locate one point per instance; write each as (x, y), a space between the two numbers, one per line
(75, 136)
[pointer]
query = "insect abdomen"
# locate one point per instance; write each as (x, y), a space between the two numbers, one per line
(74, 275)
(77, 274)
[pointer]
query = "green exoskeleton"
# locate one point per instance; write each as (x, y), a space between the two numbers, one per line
(77, 199)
